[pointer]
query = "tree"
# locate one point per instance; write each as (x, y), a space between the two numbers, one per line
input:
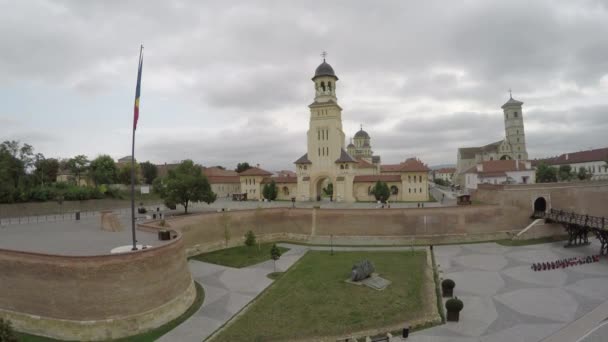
(7, 334)
(103, 170)
(124, 174)
(546, 173)
(185, 184)
(583, 174)
(329, 190)
(565, 173)
(240, 167)
(275, 254)
(270, 191)
(78, 166)
(149, 172)
(249, 238)
(381, 191)
(45, 170)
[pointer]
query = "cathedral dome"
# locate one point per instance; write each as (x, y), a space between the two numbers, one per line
(362, 134)
(351, 145)
(324, 69)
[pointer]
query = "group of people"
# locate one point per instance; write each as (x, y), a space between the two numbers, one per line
(563, 263)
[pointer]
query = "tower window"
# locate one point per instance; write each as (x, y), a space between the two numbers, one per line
(323, 86)
(329, 86)
(515, 114)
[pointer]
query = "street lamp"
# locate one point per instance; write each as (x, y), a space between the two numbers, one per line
(331, 243)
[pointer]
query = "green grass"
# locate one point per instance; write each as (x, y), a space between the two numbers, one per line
(312, 299)
(148, 336)
(532, 241)
(240, 256)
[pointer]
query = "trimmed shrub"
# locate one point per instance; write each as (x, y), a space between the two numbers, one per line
(249, 238)
(447, 287)
(454, 306)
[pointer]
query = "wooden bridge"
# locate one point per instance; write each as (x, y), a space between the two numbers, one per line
(578, 227)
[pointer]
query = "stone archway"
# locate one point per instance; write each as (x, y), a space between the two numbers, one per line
(321, 183)
(540, 205)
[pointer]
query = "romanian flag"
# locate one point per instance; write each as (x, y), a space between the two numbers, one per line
(138, 89)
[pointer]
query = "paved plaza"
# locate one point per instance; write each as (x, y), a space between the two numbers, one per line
(504, 300)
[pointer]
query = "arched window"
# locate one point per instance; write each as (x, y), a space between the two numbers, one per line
(409, 190)
(329, 86)
(394, 190)
(323, 86)
(515, 114)
(420, 179)
(341, 166)
(286, 191)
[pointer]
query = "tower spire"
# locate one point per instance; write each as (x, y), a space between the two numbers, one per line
(361, 126)
(510, 94)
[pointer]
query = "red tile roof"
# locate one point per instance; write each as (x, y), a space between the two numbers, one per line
(363, 164)
(375, 178)
(255, 171)
(223, 179)
(216, 171)
(599, 154)
(410, 165)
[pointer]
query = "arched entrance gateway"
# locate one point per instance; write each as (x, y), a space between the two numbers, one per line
(540, 205)
(323, 188)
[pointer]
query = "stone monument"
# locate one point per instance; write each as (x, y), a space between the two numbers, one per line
(361, 270)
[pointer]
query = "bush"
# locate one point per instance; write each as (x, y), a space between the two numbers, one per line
(448, 284)
(249, 238)
(454, 305)
(7, 333)
(171, 205)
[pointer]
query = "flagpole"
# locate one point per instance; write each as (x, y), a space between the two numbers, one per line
(134, 248)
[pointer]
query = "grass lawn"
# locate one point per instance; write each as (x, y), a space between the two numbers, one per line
(240, 256)
(312, 300)
(151, 335)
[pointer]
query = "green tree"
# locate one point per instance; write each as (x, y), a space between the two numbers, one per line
(275, 254)
(184, 184)
(545, 173)
(329, 190)
(583, 174)
(11, 170)
(124, 174)
(103, 170)
(78, 166)
(149, 172)
(270, 191)
(7, 334)
(45, 170)
(564, 173)
(249, 238)
(240, 167)
(381, 191)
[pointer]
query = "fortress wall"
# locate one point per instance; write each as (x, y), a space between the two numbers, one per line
(95, 297)
(212, 231)
(584, 197)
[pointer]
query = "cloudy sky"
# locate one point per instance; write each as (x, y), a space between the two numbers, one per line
(229, 81)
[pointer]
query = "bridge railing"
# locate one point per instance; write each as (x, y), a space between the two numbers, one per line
(562, 216)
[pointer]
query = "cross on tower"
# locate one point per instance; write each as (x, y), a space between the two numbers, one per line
(324, 54)
(510, 94)
(361, 126)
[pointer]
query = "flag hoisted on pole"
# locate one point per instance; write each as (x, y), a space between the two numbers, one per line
(135, 118)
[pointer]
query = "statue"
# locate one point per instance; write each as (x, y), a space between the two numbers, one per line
(362, 270)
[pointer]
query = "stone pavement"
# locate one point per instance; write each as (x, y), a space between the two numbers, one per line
(504, 300)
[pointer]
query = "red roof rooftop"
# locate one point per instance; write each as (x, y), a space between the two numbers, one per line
(375, 178)
(255, 171)
(410, 165)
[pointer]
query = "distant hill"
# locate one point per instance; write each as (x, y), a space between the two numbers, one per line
(441, 166)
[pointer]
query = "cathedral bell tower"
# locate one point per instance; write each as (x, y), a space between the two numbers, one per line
(325, 135)
(514, 128)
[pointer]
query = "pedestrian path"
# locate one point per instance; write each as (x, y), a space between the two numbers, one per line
(504, 300)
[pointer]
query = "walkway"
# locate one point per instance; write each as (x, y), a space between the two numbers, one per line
(504, 300)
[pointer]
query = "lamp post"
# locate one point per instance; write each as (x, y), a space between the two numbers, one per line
(331, 243)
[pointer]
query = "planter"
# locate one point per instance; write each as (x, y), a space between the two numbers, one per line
(447, 288)
(453, 307)
(453, 316)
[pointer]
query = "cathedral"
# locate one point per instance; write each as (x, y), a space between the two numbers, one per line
(512, 147)
(352, 170)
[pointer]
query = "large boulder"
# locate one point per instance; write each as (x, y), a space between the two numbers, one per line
(361, 270)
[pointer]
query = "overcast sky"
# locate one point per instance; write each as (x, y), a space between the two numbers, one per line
(229, 81)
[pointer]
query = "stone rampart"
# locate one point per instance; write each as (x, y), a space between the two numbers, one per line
(95, 297)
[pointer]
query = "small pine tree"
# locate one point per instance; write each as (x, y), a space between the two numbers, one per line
(249, 239)
(275, 254)
(7, 334)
